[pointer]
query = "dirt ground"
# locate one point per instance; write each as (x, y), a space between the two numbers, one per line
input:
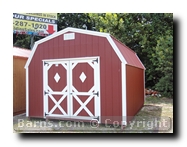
(155, 117)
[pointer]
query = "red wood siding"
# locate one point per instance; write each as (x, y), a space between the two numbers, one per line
(81, 46)
(134, 90)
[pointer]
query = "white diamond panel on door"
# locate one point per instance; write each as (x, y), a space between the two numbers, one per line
(56, 88)
(72, 88)
(84, 88)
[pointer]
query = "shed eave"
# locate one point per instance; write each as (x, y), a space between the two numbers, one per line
(116, 49)
(143, 67)
(31, 55)
(128, 54)
(69, 29)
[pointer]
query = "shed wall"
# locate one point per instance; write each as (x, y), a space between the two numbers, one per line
(19, 85)
(134, 90)
(82, 46)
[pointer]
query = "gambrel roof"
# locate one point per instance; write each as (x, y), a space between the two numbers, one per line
(125, 54)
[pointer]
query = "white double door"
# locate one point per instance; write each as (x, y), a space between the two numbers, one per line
(72, 88)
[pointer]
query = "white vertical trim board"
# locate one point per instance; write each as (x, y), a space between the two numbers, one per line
(99, 98)
(43, 76)
(97, 89)
(144, 84)
(70, 96)
(45, 98)
(124, 99)
(27, 92)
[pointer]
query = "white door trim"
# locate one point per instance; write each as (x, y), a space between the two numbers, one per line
(46, 88)
(68, 59)
(95, 88)
(70, 91)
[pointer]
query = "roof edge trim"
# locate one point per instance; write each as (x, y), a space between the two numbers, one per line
(140, 61)
(76, 30)
(31, 55)
(69, 29)
(116, 49)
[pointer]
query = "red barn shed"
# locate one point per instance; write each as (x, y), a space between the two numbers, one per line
(84, 75)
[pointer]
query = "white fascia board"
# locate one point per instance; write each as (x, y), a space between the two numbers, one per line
(88, 32)
(69, 29)
(117, 51)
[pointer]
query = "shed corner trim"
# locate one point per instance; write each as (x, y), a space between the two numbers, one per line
(27, 92)
(124, 98)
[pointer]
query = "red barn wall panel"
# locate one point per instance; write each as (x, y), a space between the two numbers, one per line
(82, 46)
(134, 90)
(35, 89)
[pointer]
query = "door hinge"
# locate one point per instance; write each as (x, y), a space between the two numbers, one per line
(97, 118)
(96, 93)
(46, 114)
(96, 60)
(46, 92)
(45, 63)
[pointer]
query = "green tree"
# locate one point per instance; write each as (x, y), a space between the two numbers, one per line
(150, 36)
(24, 41)
(76, 20)
(164, 50)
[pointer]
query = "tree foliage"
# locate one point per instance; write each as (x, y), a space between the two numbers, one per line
(76, 20)
(24, 41)
(150, 35)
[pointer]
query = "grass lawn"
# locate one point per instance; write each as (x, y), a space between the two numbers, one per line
(155, 117)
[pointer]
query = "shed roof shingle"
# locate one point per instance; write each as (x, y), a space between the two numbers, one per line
(129, 55)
